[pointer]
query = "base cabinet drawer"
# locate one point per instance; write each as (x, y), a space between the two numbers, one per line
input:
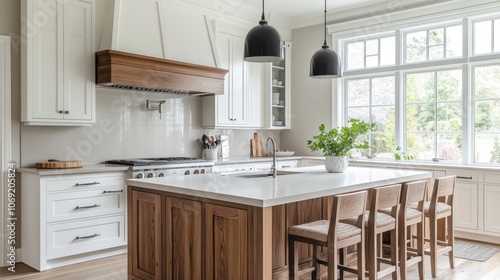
(85, 204)
(82, 182)
(79, 237)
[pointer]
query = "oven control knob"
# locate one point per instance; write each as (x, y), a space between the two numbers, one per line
(197, 171)
(187, 172)
(151, 175)
(161, 175)
(140, 176)
(202, 171)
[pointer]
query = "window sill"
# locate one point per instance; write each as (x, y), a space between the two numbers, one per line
(421, 165)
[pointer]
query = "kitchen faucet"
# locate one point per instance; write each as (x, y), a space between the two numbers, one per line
(273, 167)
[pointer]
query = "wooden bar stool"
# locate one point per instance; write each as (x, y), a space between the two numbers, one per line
(332, 234)
(411, 213)
(382, 217)
(444, 189)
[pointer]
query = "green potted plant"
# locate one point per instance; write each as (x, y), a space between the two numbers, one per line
(337, 143)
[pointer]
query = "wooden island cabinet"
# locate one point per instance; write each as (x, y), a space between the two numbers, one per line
(205, 239)
(217, 227)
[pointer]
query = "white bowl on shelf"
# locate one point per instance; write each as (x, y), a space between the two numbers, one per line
(284, 153)
(279, 83)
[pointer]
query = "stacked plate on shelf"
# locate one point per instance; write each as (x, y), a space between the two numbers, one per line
(276, 98)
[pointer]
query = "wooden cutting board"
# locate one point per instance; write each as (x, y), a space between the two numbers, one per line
(59, 164)
(257, 147)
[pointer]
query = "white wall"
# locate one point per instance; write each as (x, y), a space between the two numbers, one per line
(311, 98)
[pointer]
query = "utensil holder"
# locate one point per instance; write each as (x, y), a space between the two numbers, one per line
(211, 154)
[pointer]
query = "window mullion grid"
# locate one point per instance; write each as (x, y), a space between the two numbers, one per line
(492, 36)
(445, 45)
(427, 45)
(379, 52)
(364, 54)
(370, 103)
(436, 114)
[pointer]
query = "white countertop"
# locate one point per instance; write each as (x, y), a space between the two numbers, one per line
(240, 160)
(314, 182)
(91, 168)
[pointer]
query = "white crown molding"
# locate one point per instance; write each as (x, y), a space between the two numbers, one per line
(406, 18)
(363, 11)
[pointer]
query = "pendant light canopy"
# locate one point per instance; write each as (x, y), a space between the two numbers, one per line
(325, 63)
(263, 43)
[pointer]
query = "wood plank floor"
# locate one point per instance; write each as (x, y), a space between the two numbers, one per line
(115, 268)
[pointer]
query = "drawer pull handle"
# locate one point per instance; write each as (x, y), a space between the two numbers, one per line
(120, 191)
(87, 207)
(87, 237)
(285, 166)
(87, 184)
(463, 177)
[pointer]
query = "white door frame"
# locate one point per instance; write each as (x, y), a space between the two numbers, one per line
(5, 139)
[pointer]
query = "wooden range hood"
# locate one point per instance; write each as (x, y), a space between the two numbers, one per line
(123, 70)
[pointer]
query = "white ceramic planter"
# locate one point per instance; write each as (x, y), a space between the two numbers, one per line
(336, 164)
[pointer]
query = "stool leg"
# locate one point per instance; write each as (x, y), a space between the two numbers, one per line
(394, 252)
(292, 259)
(433, 243)
(402, 250)
(361, 259)
(342, 259)
(315, 273)
(372, 255)
(333, 262)
(451, 240)
(420, 248)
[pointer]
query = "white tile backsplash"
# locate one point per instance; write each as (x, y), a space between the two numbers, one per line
(125, 128)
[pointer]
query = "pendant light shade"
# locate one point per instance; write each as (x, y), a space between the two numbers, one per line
(263, 43)
(325, 63)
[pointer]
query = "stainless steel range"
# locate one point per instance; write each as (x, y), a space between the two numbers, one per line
(167, 166)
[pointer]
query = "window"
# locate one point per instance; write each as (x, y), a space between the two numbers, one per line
(434, 44)
(487, 36)
(438, 101)
(487, 114)
(373, 100)
(371, 53)
(434, 115)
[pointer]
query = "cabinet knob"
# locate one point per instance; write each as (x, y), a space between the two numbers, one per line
(66, 112)
(60, 112)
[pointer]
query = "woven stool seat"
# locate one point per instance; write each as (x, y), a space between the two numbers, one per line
(318, 230)
(382, 219)
(440, 207)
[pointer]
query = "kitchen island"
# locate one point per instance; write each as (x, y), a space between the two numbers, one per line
(216, 226)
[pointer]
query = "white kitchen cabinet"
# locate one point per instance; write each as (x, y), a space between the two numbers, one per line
(277, 83)
(241, 104)
(466, 205)
(72, 218)
(492, 208)
(311, 162)
(58, 62)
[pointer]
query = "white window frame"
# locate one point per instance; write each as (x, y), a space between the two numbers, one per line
(401, 23)
(472, 23)
(363, 40)
(427, 29)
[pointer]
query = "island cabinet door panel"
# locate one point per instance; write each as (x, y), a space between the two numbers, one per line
(183, 232)
(300, 213)
(226, 243)
(279, 237)
(145, 249)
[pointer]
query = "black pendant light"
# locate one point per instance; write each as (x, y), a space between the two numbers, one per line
(263, 43)
(325, 63)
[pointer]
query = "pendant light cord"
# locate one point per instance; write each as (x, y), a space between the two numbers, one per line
(263, 14)
(324, 43)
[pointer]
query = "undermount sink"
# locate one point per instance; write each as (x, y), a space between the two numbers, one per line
(262, 175)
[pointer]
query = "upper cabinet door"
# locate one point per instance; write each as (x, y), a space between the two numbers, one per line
(45, 60)
(239, 93)
(78, 61)
(224, 102)
(58, 62)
